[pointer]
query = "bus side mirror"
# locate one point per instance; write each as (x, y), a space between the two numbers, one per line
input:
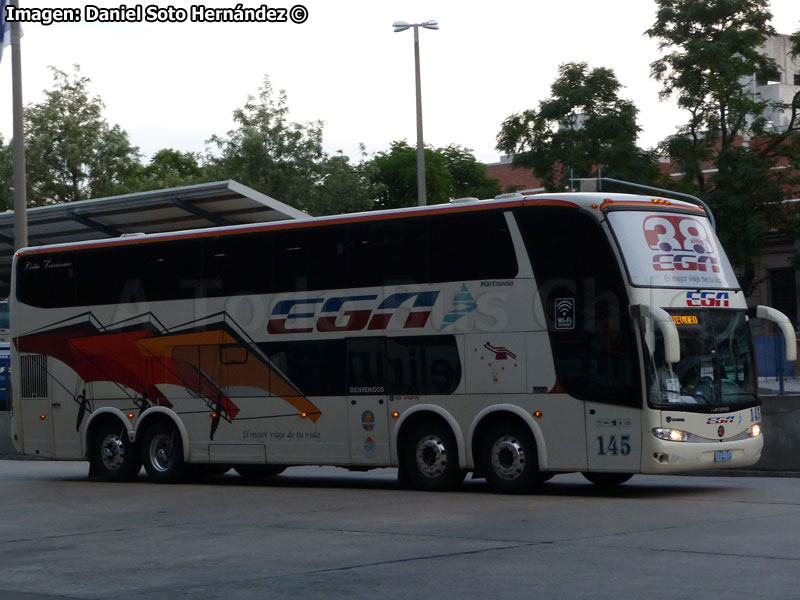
(782, 321)
(662, 319)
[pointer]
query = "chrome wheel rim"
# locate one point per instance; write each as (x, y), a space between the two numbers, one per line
(431, 456)
(161, 455)
(112, 452)
(508, 458)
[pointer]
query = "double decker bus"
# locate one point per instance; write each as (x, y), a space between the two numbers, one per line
(514, 338)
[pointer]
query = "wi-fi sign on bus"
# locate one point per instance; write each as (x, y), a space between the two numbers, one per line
(565, 313)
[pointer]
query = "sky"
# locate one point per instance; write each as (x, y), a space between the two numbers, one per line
(174, 85)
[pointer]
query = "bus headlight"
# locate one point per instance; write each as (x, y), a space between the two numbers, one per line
(753, 430)
(671, 435)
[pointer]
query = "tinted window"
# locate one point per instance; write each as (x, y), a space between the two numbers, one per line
(236, 265)
(108, 276)
(585, 305)
(315, 368)
(308, 259)
(387, 253)
(171, 271)
(472, 246)
(47, 280)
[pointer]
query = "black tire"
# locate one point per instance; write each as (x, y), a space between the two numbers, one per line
(608, 480)
(162, 453)
(508, 459)
(429, 458)
(114, 457)
(256, 472)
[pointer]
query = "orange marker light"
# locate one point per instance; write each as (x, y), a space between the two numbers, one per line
(303, 415)
(213, 415)
(395, 415)
(42, 416)
(538, 414)
(130, 415)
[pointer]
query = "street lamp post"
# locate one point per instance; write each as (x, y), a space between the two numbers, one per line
(402, 26)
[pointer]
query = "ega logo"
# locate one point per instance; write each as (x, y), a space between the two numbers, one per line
(343, 313)
(680, 244)
(708, 299)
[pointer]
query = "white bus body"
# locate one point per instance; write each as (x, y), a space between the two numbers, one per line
(515, 339)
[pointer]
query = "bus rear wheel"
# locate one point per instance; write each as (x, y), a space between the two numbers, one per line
(430, 457)
(114, 457)
(508, 459)
(162, 453)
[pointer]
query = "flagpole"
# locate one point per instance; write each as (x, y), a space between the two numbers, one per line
(18, 151)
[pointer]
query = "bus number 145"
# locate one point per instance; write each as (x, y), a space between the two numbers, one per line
(614, 445)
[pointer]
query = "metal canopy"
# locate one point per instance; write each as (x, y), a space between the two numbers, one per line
(174, 209)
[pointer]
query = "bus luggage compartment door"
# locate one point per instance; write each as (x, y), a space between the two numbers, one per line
(369, 430)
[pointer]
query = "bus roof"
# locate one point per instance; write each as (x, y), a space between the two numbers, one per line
(597, 203)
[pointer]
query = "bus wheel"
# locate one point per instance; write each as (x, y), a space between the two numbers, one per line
(162, 453)
(608, 480)
(508, 459)
(430, 458)
(259, 471)
(114, 457)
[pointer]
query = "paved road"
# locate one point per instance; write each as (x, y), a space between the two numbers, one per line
(324, 532)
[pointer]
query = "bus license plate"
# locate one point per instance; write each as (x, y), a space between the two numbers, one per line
(723, 455)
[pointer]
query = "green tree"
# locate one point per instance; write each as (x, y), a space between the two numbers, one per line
(72, 153)
(172, 168)
(268, 152)
(583, 129)
(450, 172)
(469, 177)
(713, 49)
(343, 187)
(396, 170)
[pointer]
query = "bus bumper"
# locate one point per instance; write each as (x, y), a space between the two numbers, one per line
(660, 456)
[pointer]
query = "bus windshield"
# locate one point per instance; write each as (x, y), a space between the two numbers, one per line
(717, 368)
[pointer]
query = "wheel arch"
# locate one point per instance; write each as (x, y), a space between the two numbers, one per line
(162, 413)
(491, 414)
(428, 411)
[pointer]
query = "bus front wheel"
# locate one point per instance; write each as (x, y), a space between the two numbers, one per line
(162, 453)
(508, 459)
(430, 457)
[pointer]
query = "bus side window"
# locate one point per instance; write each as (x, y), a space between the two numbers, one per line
(471, 247)
(307, 260)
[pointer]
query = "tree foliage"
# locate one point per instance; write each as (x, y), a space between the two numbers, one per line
(344, 187)
(583, 128)
(72, 153)
(269, 153)
(171, 168)
(713, 49)
(450, 172)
